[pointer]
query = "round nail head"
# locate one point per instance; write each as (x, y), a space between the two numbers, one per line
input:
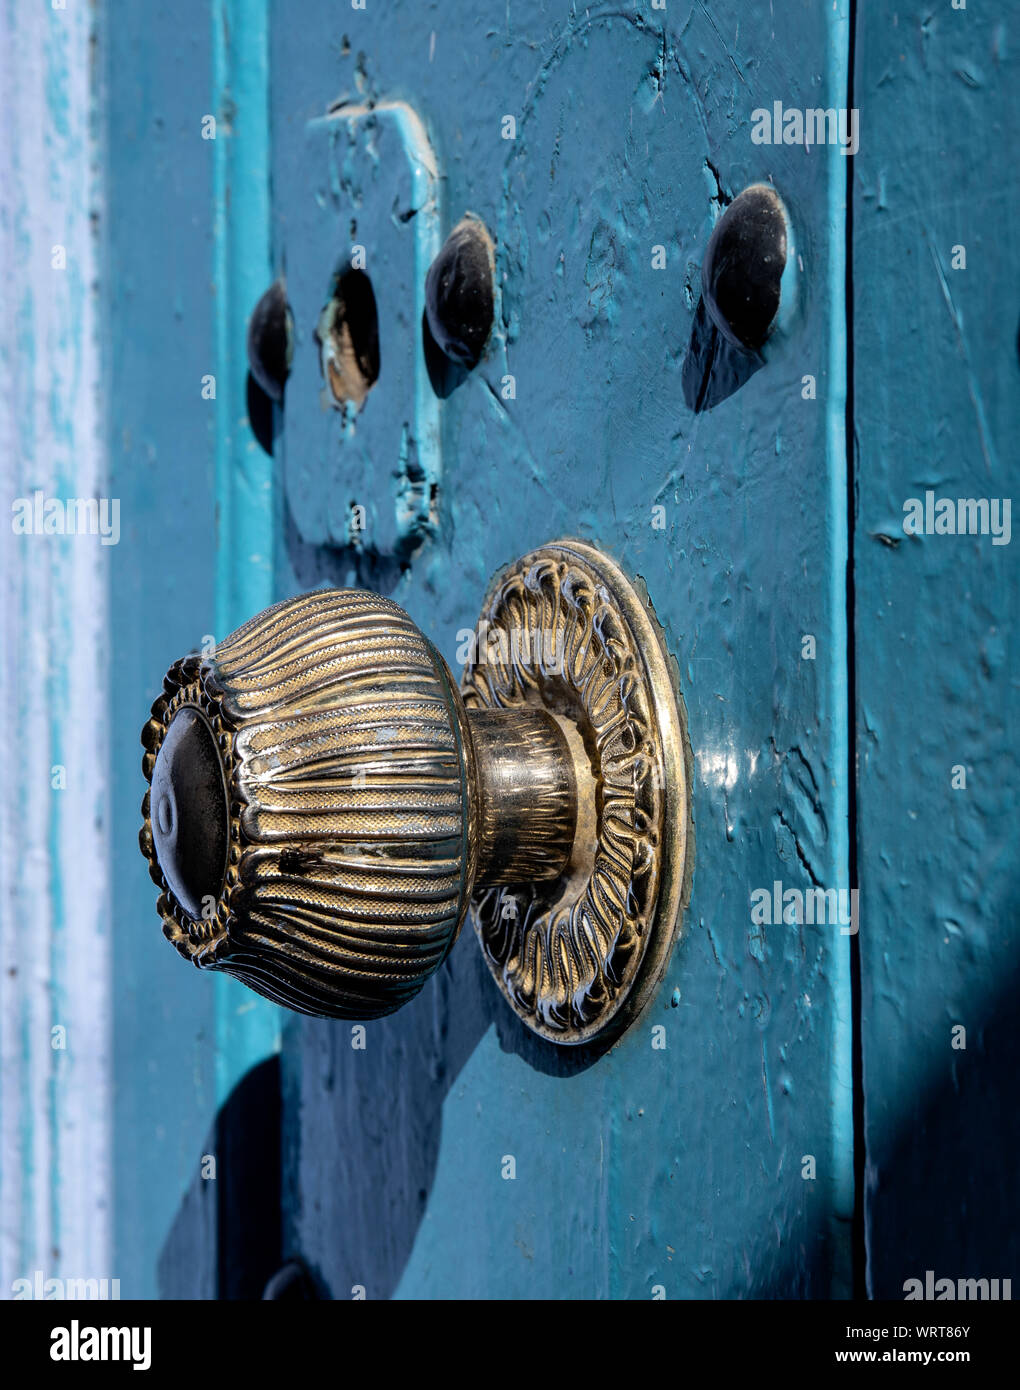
(743, 267)
(271, 341)
(459, 301)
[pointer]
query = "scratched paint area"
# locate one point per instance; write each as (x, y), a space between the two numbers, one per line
(681, 1167)
(937, 664)
(366, 174)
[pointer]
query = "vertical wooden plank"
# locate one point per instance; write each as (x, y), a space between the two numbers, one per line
(55, 1131)
(676, 1169)
(188, 258)
(247, 1027)
(937, 410)
(160, 304)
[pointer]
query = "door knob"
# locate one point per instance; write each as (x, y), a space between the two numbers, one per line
(325, 804)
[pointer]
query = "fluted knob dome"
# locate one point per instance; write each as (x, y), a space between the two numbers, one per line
(316, 769)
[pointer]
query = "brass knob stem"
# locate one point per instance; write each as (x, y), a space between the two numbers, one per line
(526, 804)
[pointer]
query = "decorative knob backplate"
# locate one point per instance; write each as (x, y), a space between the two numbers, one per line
(324, 803)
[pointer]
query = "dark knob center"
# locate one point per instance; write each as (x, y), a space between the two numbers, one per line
(189, 812)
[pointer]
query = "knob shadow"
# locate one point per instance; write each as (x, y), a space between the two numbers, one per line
(225, 1239)
(363, 1124)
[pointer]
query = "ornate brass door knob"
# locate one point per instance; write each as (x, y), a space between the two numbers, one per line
(324, 803)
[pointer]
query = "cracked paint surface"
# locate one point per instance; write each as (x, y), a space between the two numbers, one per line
(678, 1167)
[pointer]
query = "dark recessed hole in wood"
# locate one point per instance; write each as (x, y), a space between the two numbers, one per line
(348, 338)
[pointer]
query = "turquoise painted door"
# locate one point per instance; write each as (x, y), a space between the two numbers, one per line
(758, 1132)
(599, 146)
